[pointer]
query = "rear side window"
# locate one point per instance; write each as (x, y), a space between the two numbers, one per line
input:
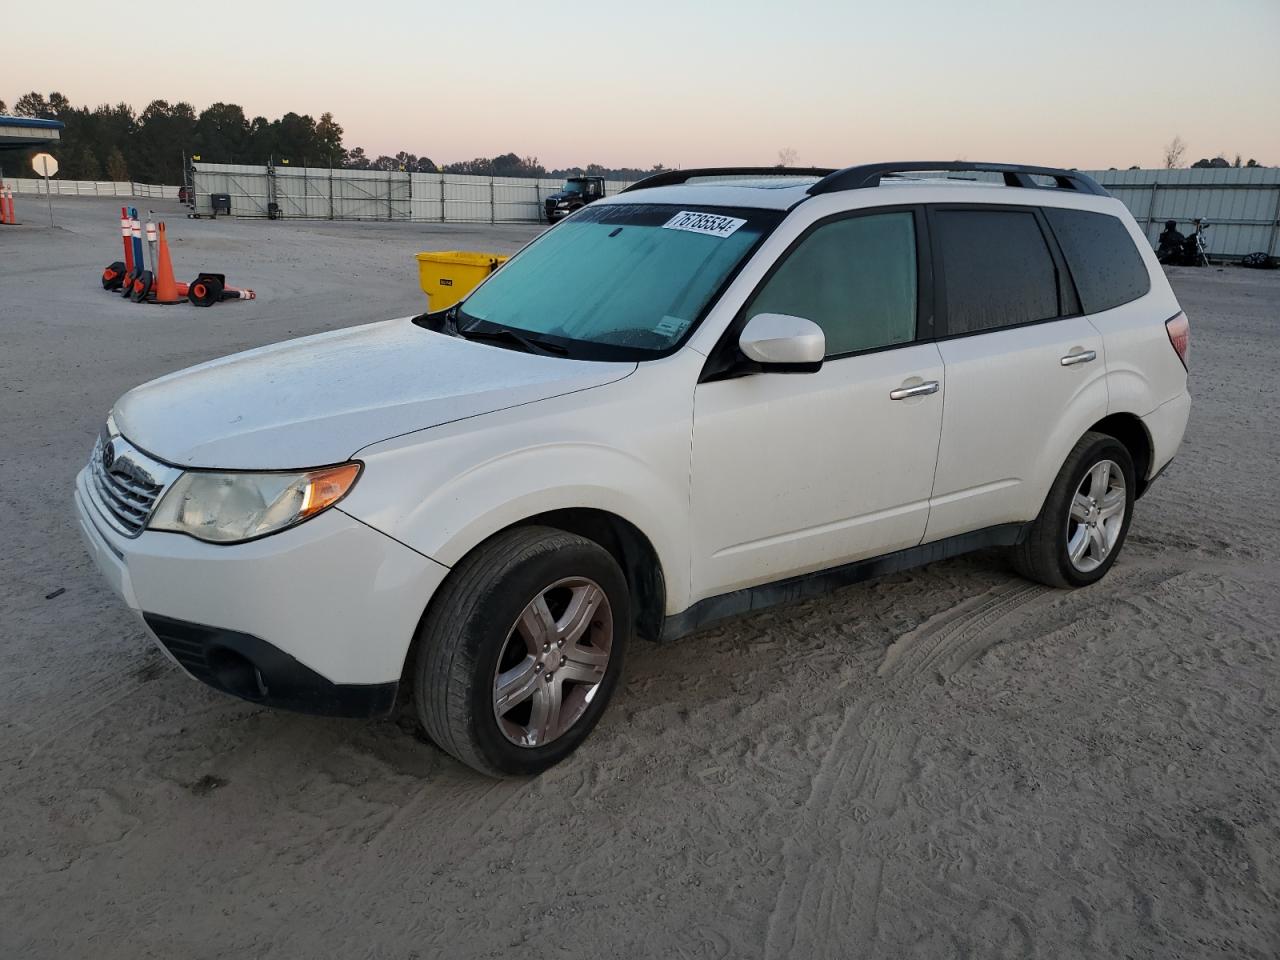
(855, 278)
(999, 272)
(1106, 266)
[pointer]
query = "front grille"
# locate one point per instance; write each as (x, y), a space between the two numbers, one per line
(126, 483)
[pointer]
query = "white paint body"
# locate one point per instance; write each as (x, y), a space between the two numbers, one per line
(734, 482)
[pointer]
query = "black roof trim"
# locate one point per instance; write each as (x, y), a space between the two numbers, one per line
(1015, 175)
(669, 178)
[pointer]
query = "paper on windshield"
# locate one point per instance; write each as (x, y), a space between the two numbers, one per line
(708, 224)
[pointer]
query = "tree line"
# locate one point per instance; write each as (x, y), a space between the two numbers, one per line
(115, 142)
(1176, 148)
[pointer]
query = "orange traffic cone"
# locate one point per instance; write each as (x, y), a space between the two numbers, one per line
(4, 215)
(13, 217)
(166, 289)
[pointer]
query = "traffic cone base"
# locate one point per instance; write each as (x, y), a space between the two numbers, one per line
(142, 284)
(113, 276)
(205, 290)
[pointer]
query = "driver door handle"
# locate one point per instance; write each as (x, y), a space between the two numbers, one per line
(919, 390)
(1071, 359)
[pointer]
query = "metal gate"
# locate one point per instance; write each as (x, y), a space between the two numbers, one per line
(305, 193)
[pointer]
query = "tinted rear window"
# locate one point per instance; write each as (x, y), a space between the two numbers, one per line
(1106, 266)
(999, 272)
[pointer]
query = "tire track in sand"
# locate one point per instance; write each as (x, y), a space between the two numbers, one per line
(822, 905)
(954, 637)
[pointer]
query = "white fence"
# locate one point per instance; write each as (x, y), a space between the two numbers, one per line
(91, 188)
(1242, 205)
(320, 193)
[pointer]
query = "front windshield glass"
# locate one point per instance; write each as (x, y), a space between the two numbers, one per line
(619, 281)
(573, 186)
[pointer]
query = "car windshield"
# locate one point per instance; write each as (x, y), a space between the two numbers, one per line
(618, 281)
(573, 186)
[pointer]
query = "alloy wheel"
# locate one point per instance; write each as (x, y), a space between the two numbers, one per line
(554, 658)
(1096, 518)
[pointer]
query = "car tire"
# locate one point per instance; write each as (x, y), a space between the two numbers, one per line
(1078, 535)
(494, 638)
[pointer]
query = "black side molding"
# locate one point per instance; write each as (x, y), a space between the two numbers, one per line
(249, 667)
(824, 581)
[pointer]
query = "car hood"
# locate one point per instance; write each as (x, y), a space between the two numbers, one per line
(317, 400)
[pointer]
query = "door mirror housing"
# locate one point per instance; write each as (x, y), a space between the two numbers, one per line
(781, 343)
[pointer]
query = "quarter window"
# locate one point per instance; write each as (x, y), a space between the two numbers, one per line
(999, 272)
(1105, 264)
(855, 278)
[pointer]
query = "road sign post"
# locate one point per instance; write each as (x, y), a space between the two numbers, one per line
(46, 166)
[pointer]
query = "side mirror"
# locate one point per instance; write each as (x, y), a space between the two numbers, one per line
(783, 344)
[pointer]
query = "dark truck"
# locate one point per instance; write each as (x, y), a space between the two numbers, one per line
(576, 193)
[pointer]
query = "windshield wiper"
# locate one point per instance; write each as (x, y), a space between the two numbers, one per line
(444, 321)
(505, 335)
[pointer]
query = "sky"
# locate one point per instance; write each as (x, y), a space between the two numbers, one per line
(705, 82)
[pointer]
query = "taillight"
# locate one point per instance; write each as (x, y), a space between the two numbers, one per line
(1179, 335)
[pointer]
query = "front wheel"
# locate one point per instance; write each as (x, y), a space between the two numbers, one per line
(1084, 520)
(521, 650)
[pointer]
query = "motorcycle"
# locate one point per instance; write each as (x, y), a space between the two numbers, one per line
(1179, 251)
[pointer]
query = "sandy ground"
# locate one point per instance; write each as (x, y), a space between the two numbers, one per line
(947, 762)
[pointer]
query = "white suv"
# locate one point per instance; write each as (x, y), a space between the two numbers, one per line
(717, 390)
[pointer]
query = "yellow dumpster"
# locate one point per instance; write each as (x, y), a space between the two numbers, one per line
(447, 276)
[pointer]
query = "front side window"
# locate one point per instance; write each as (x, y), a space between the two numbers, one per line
(999, 271)
(619, 280)
(1105, 264)
(855, 278)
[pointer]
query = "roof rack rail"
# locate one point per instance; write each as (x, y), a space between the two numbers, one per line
(1015, 175)
(669, 178)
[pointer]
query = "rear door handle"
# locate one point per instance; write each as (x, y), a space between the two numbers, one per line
(1084, 356)
(919, 390)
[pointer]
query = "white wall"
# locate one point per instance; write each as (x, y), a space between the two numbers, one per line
(90, 188)
(324, 194)
(1241, 204)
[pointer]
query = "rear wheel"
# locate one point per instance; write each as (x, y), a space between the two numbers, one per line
(521, 650)
(1085, 518)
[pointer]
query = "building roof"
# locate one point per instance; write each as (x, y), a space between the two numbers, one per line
(22, 133)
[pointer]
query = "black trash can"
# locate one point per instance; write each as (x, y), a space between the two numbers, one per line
(221, 203)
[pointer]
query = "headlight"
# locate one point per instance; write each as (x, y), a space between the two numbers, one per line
(231, 507)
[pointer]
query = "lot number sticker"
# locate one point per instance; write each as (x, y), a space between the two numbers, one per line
(710, 224)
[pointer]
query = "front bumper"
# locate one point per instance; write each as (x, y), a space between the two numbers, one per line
(318, 618)
(252, 669)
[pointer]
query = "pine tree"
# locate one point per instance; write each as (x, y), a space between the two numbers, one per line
(116, 169)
